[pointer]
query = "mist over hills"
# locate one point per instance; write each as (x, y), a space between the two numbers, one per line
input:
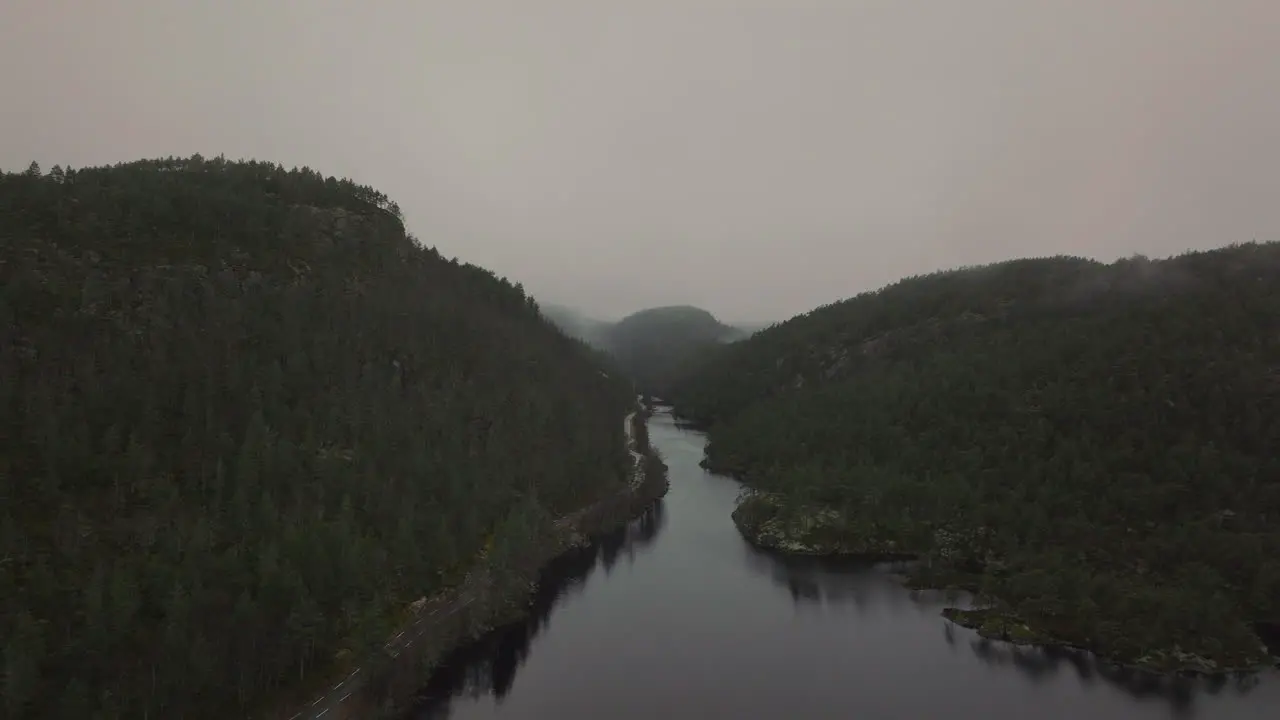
(576, 324)
(655, 345)
(283, 409)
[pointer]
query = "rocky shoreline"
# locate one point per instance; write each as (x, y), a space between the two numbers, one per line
(994, 624)
(819, 532)
(763, 522)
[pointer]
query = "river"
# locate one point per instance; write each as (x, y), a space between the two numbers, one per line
(677, 617)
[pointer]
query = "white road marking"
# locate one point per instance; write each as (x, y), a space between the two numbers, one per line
(344, 697)
(322, 712)
(317, 702)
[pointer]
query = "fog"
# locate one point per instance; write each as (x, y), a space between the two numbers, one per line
(754, 158)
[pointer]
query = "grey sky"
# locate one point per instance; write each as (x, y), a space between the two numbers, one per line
(755, 158)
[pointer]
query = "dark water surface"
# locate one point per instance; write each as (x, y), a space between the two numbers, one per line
(677, 617)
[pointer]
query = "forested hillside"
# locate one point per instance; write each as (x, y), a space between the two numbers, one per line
(244, 419)
(1091, 446)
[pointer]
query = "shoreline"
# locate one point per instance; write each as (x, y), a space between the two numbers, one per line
(987, 620)
(992, 624)
(487, 598)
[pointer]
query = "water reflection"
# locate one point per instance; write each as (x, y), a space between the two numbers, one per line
(820, 581)
(863, 585)
(679, 617)
(1041, 664)
(489, 665)
(629, 541)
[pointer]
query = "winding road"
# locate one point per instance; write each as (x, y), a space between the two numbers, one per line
(329, 704)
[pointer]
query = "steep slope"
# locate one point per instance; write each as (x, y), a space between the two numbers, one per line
(1089, 445)
(657, 345)
(244, 419)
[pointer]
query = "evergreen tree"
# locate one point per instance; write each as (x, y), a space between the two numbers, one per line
(245, 419)
(1026, 425)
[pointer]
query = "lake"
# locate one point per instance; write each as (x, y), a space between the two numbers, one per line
(676, 616)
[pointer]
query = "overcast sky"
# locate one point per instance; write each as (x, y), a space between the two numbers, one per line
(755, 158)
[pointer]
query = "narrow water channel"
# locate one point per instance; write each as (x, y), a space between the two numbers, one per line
(677, 617)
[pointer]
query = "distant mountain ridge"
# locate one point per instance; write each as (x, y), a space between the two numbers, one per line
(652, 346)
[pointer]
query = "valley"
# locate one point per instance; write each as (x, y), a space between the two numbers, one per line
(278, 458)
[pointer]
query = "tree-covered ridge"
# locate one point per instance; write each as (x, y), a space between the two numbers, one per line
(244, 419)
(833, 340)
(1090, 445)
